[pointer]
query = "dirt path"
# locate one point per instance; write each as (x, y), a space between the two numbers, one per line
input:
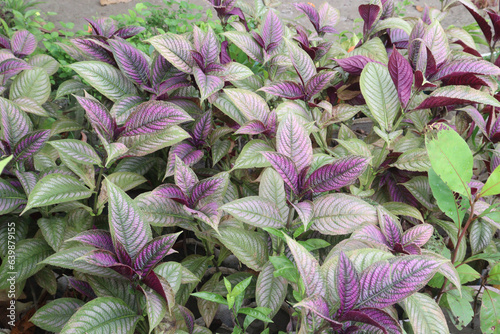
(76, 10)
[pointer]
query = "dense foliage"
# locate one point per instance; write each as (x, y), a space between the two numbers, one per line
(217, 178)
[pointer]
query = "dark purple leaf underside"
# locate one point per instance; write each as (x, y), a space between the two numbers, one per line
(369, 14)
(131, 61)
(481, 21)
(154, 283)
(83, 287)
(382, 318)
(360, 316)
(224, 53)
(402, 76)
(311, 13)
(288, 90)
(339, 174)
(459, 67)
(30, 144)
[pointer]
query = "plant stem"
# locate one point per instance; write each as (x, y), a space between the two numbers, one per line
(461, 234)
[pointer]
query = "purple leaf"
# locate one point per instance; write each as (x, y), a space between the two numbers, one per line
(481, 21)
(204, 188)
(83, 287)
(210, 47)
(251, 128)
(11, 67)
(328, 18)
(184, 176)
(288, 90)
(303, 64)
(466, 79)
(383, 319)
(354, 64)
(96, 27)
(23, 43)
(208, 84)
(94, 50)
(97, 238)
(292, 140)
(369, 14)
(370, 233)
(272, 31)
(153, 252)
(411, 249)
(98, 116)
(186, 152)
(188, 318)
(318, 82)
(463, 66)
(402, 76)
(308, 268)
(154, 283)
(418, 235)
(452, 95)
(311, 13)
(319, 307)
(391, 231)
(4, 42)
(285, 167)
(359, 316)
(339, 174)
(495, 19)
(153, 116)
(30, 144)
(160, 68)
(203, 126)
(347, 284)
(224, 53)
(399, 38)
(131, 61)
(388, 282)
(171, 191)
(14, 122)
(106, 259)
(130, 31)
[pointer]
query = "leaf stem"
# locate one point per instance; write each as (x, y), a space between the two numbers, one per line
(98, 188)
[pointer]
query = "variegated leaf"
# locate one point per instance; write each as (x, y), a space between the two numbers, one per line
(249, 104)
(270, 291)
(303, 64)
(249, 247)
(251, 155)
(108, 80)
(341, 214)
(53, 316)
(131, 61)
(176, 49)
(255, 210)
(208, 84)
(246, 43)
(292, 140)
(15, 123)
(425, 315)
(77, 150)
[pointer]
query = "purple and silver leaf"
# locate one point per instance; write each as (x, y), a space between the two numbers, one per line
(388, 323)
(128, 32)
(131, 61)
(418, 235)
(272, 31)
(125, 221)
(311, 13)
(4, 42)
(209, 48)
(186, 152)
(224, 53)
(154, 116)
(292, 140)
(288, 90)
(30, 144)
(98, 116)
(481, 21)
(388, 282)
(347, 284)
(152, 281)
(204, 188)
(208, 84)
(308, 268)
(153, 252)
(184, 176)
(402, 76)
(370, 233)
(94, 50)
(251, 128)
(302, 62)
(106, 259)
(354, 65)
(463, 66)
(12, 66)
(97, 238)
(285, 167)
(318, 82)
(328, 18)
(391, 231)
(160, 68)
(341, 173)
(359, 316)
(23, 43)
(203, 126)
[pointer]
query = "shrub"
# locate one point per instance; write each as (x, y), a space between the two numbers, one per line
(163, 160)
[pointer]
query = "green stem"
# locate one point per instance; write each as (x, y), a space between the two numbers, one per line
(98, 187)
